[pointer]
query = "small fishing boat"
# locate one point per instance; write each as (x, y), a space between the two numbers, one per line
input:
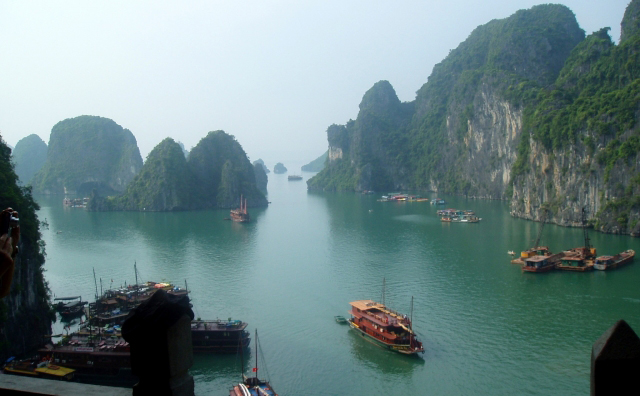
(74, 307)
(604, 263)
(253, 386)
(35, 368)
(340, 319)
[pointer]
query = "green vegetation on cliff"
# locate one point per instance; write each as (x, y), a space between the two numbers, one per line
(86, 153)
(24, 315)
(261, 177)
(216, 174)
(426, 143)
(165, 183)
(593, 108)
(317, 164)
(29, 156)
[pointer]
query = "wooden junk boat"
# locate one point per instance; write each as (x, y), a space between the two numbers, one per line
(70, 307)
(604, 263)
(219, 335)
(384, 327)
(253, 386)
(240, 215)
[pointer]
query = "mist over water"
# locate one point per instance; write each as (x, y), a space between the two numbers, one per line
(487, 328)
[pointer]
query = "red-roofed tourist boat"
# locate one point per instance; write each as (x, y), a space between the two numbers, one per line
(384, 327)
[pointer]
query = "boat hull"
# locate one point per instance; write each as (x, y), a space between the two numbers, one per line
(630, 254)
(401, 348)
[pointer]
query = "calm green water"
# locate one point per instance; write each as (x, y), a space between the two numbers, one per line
(487, 328)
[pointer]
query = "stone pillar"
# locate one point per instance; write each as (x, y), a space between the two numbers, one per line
(615, 362)
(159, 333)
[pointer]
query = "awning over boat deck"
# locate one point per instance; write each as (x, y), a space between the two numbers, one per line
(365, 305)
(110, 302)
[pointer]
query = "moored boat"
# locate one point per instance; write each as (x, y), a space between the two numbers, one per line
(340, 319)
(384, 327)
(251, 386)
(74, 307)
(219, 335)
(580, 258)
(294, 177)
(241, 215)
(574, 262)
(38, 368)
(541, 263)
(604, 263)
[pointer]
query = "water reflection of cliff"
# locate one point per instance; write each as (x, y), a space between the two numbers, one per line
(383, 361)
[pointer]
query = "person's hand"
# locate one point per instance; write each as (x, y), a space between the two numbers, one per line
(9, 240)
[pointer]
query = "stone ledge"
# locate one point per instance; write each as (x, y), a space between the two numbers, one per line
(16, 385)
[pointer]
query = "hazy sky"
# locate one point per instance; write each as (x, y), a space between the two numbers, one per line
(275, 74)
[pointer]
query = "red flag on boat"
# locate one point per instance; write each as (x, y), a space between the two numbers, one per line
(255, 369)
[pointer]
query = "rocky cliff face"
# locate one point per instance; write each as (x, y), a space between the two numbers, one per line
(526, 109)
(216, 174)
(460, 135)
(584, 152)
(87, 153)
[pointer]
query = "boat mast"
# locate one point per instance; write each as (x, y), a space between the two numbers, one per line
(135, 287)
(411, 324)
(96, 282)
(256, 369)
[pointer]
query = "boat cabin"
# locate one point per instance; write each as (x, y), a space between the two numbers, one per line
(537, 262)
(535, 251)
(575, 261)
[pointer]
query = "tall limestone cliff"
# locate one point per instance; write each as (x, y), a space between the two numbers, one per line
(165, 183)
(25, 316)
(460, 134)
(29, 157)
(224, 173)
(526, 109)
(216, 174)
(261, 177)
(581, 140)
(87, 153)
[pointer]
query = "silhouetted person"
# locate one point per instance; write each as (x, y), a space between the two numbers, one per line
(9, 238)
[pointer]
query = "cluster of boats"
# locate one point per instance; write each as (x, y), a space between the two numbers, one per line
(458, 216)
(399, 197)
(75, 202)
(580, 259)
